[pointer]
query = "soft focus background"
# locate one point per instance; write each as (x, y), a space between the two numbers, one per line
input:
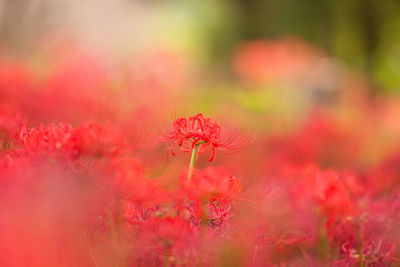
(266, 66)
(302, 82)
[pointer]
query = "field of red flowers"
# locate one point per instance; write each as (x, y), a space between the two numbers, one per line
(286, 160)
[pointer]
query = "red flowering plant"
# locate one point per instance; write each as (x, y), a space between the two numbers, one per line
(209, 193)
(45, 139)
(368, 238)
(138, 197)
(197, 133)
(87, 140)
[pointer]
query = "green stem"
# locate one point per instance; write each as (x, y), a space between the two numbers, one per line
(361, 262)
(193, 161)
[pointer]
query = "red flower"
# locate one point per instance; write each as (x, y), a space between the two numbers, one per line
(89, 139)
(133, 185)
(198, 131)
(94, 139)
(211, 184)
(45, 138)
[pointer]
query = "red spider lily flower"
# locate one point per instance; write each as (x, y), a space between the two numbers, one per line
(199, 131)
(371, 254)
(214, 214)
(95, 139)
(90, 139)
(132, 213)
(45, 138)
(218, 212)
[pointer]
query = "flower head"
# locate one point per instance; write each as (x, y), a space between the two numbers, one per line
(45, 138)
(199, 131)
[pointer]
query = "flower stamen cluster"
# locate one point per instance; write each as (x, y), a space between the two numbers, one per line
(196, 132)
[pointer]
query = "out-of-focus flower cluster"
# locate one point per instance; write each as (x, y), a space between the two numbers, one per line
(80, 186)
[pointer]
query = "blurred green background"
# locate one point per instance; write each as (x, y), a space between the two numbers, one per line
(364, 34)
